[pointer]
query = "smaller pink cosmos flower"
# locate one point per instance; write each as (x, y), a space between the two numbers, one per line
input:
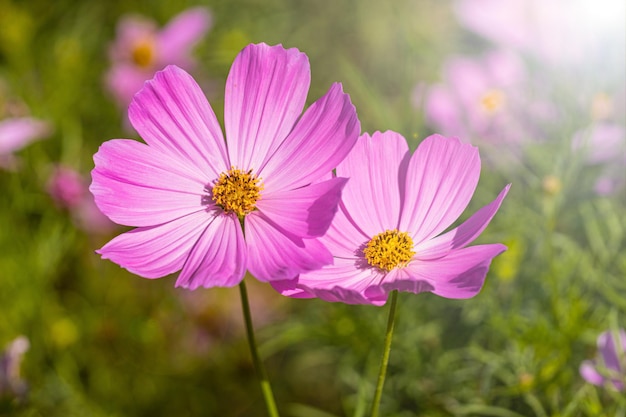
(16, 133)
(610, 366)
(213, 209)
(141, 49)
(478, 98)
(387, 234)
(70, 191)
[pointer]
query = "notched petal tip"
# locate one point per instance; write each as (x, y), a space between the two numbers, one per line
(441, 179)
(278, 48)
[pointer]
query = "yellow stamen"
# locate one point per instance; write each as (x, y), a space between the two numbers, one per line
(492, 101)
(388, 250)
(143, 53)
(237, 191)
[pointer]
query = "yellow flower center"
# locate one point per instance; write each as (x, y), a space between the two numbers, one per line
(492, 101)
(388, 250)
(143, 53)
(237, 191)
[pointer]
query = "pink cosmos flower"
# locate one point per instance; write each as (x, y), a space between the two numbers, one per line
(387, 234)
(610, 366)
(70, 191)
(141, 49)
(16, 133)
(478, 98)
(190, 194)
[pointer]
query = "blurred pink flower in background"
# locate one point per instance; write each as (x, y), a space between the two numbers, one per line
(388, 233)
(140, 49)
(479, 98)
(16, 133)
(609, 367)
(604, 145)
(70, 191)
(554, 31)
(190, 193)
(11, 383)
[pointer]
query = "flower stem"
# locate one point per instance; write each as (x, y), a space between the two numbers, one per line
(266, 388)
(385, 359)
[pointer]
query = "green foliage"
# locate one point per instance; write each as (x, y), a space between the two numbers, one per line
(106, 343)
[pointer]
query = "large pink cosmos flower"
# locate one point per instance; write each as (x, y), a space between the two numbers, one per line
(610, 366)
(189, 193)
(140, 49)
(387, 233)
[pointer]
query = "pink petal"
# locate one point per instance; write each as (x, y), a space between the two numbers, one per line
(307, 211)
(344, 239)
(443, 111)
(462, 235)
(601, 143)
(265, 93)
(182, 32)
(344, 281)
(321, 139)
(89, 218)
(589, 373)
(18, 132)
(66, 187)
(468, 78)
(154, 252)
(218, 259)
(504, 67)
(124, 81)
(372, 195)
(273, 254)
(401, 279)
(137, 185)
(612, 349)
(289, 288)
(172, 115)
(130, 30)
(460, 274)
(441, 179)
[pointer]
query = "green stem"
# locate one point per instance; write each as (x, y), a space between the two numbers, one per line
(268, 395)
(385, 359)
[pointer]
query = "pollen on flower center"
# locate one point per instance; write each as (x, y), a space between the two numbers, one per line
(388, 250)
(492, 101)
(143, 53)
(237, 191)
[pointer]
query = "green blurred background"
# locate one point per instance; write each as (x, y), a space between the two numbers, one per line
(106, 343)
